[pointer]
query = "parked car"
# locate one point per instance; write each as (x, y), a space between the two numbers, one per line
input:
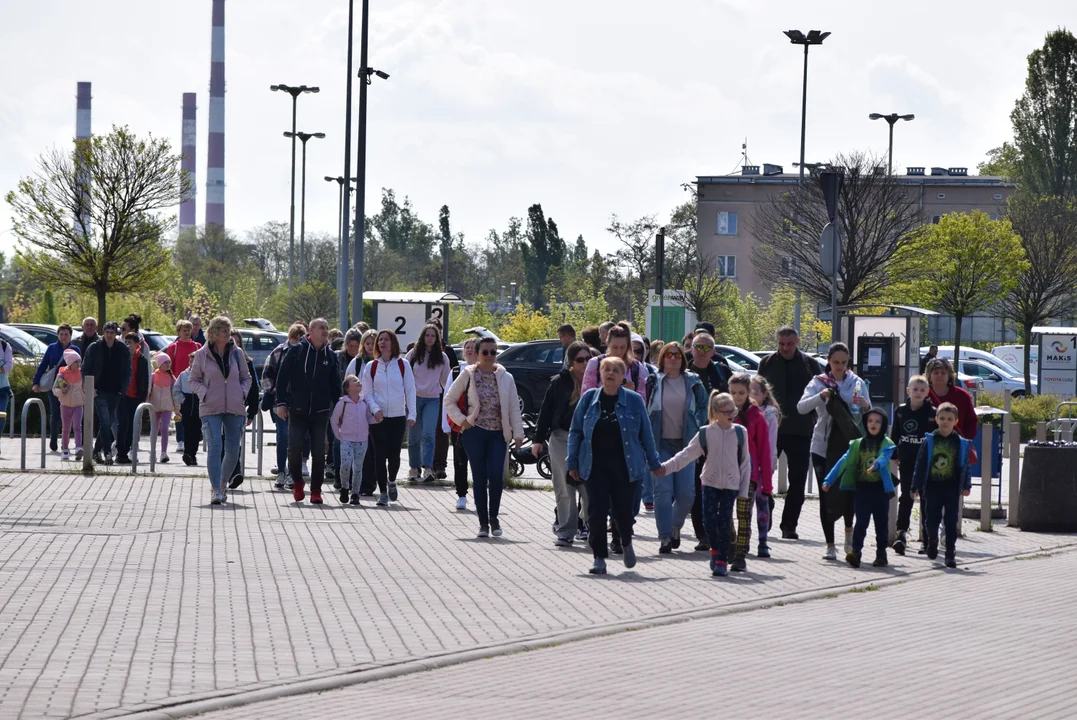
(259, 343)
(22, 343)
(155, 340)
(748, 361)
(1000, 365)
(260, 324)
(994, 381)
(1014, 356)
(44, 333)
(533, 365)
(762, 354)
(480, 331)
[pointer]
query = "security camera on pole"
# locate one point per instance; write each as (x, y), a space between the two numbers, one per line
(830, 246)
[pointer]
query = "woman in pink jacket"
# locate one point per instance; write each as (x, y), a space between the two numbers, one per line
(220, 379)
(619, 344)
(760, 489)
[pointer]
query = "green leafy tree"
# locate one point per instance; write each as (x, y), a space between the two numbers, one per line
(1045, 290)
(543, 249)
(966, 263)
(1045, 118)
(1003, 161)
(92, 218)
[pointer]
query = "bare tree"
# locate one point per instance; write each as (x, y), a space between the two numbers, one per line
(1048, 288)
(698, 287)
(877, 217)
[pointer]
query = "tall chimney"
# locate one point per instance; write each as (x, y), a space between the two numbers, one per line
(82, 132)
(190, 139)
(215, 169)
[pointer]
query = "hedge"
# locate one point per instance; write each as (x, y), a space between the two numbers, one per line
(1029, 410)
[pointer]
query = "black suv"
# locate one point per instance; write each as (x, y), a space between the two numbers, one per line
(533, 365)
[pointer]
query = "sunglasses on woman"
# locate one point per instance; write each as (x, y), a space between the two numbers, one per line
(580, 359)
(488, 353)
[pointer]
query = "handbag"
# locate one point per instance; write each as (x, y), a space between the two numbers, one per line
(48, 379)
(461, 403)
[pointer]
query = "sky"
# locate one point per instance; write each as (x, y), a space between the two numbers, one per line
(589, 107)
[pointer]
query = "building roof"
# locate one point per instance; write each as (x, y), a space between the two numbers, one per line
(925, 179)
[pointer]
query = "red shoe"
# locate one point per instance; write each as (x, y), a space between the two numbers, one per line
(315, 498)
(297, 492)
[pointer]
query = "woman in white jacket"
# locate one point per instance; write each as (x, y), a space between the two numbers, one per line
(389, 389)
(488, 420)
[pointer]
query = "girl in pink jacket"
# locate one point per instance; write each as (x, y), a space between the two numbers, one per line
(350, 422)
(760, 489)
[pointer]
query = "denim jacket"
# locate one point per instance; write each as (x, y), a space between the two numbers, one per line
(640, 455)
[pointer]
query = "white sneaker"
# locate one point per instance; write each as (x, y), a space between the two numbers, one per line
(281, 481)
(831, 553)
(306, 472)
(414, 474)
(461, 503)
(65, 455)
(163, 458)
(848, 541)
(429, 476)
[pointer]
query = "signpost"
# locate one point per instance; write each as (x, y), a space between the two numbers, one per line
(1058, 361)
(830, 243)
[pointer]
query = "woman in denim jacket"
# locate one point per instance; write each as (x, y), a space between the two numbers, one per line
(611, 448)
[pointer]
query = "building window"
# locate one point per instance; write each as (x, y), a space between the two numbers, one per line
(940, 196)
(998, 196)
(727, 266)
(727, 223)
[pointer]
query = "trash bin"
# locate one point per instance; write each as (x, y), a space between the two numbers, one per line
(996, 460)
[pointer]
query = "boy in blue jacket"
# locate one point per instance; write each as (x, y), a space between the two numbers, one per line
(864, 470)
(942, 474)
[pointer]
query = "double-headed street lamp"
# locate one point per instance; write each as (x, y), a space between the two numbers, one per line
(796, 37)
(303, 137)
(890, 120)
(295, 92)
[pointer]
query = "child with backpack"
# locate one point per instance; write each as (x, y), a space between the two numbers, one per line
(762, 396)
(760, 489)
(726, 477)
(183, 397)
(864, 470)
(68, 390)
(912, 423)
(161, 385)
(350, 421)
(942, 476)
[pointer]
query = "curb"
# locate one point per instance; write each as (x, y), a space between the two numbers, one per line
(356, 675)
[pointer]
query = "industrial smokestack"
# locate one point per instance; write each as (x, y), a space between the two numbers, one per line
(215, 169)
(190, 139)
(82, 132)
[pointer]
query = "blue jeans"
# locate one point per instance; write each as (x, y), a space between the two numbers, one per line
(5, 395)
(212, 428)
(486, 453)
(421, 435)
(718, 520)
(105, 406)
(674, 493)
(647, 490)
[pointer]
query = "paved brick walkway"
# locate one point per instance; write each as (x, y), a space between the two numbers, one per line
(123, 593)
(997, 643)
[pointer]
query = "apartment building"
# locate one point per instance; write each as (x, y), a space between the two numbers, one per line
(728, 202)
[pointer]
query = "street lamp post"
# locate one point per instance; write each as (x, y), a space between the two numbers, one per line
(342, 245)
(890, 120)
(295, 92)
(796, 37)
(365, 78)
(303, 137)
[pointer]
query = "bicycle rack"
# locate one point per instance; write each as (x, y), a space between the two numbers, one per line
(25, 416)
(11, 416)
(1063, 427)
(138, 432)
(259, 429)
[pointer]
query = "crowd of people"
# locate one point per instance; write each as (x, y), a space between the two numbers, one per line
(630, 426)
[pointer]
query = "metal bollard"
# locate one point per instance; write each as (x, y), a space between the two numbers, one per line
(25, 415)
(1015, 474)
(783, 474)
(87, 424)
(1041, 432)
(986, 476)
(1006, 400)
(138, 431)
(11, 417)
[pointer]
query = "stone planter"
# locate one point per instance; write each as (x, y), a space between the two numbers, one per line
(1048, 499)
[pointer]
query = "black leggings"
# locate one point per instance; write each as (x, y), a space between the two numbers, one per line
(388, 436)
(831, 502)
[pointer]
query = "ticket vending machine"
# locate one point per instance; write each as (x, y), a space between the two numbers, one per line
(878, 363)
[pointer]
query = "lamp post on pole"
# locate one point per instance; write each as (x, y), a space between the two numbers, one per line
(796, 37)
(342, 245)
(890, 120)
(365, 78)
(303, 137)
(295, 92)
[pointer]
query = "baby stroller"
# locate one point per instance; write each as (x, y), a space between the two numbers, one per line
(524, 456)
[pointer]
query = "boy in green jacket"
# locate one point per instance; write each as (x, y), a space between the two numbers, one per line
(864, 470)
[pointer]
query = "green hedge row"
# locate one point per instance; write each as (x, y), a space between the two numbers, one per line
(1027, 411)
